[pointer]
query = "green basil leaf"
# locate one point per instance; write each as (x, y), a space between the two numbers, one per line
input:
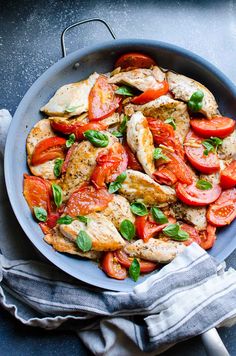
(57, 167)
(83, 219)
(121, 178)
(117, 184)
(203, 184)
(158, 215)
(98, 139)
(195, 102)
(171, 230)
(157, 154)
(209, 147)
(124, 90)
(57, 194)
(84, 241)
(40, 213)
(117, 134)
(66, 220)
(181, 236)
(134, 270)
(139, 208)
(122, 128)
(127, 229)
(171, 121)
(211, 144)
(70, 141)
(72, 108)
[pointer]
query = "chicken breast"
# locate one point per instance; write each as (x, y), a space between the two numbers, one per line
(139, 186)
(183, 87)
(140, 140)
(155, 250)
(227, 150)
(163, 108)
(103, 233)
(39, 132)
(71, 99)
(193, 215)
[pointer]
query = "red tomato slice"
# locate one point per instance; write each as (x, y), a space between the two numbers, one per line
(36, 192)
(226, 195)
(151, 94)
(133, 162)
(179, 168)
(205, 164)
(68, 157)
(193, 234)
(113, 268)
(164, 176)
(228, 176)
(218, 126)
(146, 229)
(223, 211)
(87, 199)
(98, 126)
(208, 237)
(191, 195)
(48, 149)
(102, 99)
(125, 261)
(66, 126)
(134, 60)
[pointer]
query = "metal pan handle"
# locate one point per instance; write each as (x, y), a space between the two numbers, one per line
(63, 46)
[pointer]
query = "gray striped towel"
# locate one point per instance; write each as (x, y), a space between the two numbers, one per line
(185, 298)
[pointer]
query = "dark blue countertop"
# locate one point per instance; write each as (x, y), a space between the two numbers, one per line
(30, 43)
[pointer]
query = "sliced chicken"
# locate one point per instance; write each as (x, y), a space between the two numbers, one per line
(155, 250)
(71, 99)
(140, 140)
(139, 186)
(163, 108)
(183, 87)
(227, 150)
(193, 215)
(81, 119)
(39, 132)
(103, 233)
(112, 120)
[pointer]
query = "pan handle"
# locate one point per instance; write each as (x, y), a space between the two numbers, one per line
(63, 46)
(213, 344)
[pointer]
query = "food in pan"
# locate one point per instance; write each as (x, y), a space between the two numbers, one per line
(130, 167)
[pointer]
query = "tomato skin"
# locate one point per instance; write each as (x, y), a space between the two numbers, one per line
(68, 157)
(125, 261)
(191, 195)
(134, 60)
(193, 234)
(98, 126)
(133, 162)
(36, 192)
(48, 149)
(164, 176)
(66, 126)
(228, 176)
(179, 168)
(151, 94)
(223, 211)
(217, 126)
(208, 237)
(113, 268)
(146, 229)
(102, 99)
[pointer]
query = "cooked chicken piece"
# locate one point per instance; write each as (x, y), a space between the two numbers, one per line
(140, 140)
(61, 244)
(103, 233)
(112, 120)
(227, 150)
(155, 250)
(159, 73)
(193, 215)
(81, 119)
(213, 178)
(71, 99)
(81, 165)
(139, 186)
(163, 108)
(39, 132)
(183, 87)
(142, 79)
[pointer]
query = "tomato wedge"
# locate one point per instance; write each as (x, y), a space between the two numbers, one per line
(164, 176)
(87, 199)
(228, 176)
(223, 211)
(125, 261)
(191, 195)
(36, 192)
(133, 162)
(134, 60)
(68, 157)
(112, 267)
(208, 237)
(193, 234)
(48, 149)
(217, 126)
(151, 94)
(205, 164)
(66, 126)
(146, 229)
(102, 99)
(179, 168)
(98, 126)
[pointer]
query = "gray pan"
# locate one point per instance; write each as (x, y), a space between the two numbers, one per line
(72, 68)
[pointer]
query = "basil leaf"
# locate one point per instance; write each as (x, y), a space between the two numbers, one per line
(40, 213)
(66, 220)
(171, 121)
(98, 139)
(209, 147)
(117, 184)
(122, 127)
(203, 184)
(84, 241)
(158, 216)
(157, 154)
(124, 90)
(181, 236)
(134, 270)
(171, 230)
(57, 167)
(211, 144)
(195, 102)
(127, 229)
(57, 194)
(139, 209)
(83, 219)
(117, 134)
(70, 141)
(121, 178)
(72, 108)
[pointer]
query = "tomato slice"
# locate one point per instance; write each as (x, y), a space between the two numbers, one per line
(179, 168)
(87, 199)
(146, 229)
(228, 176)
(151, 94)
(205, 164)
(112, 267)
(193, 234)
(133, 162)
(164, 176)
(102, 99)
(208, 237)
(68, 157)
(48, 149)
(36, 192)
(218, 126)
(191, 195)
(223, 211)
(66, 126)
(125, 261)
(98, 126)
(134, 60)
